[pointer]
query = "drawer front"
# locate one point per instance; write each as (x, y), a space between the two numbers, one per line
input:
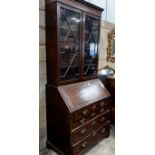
(90, 140)
(89, 112)
(90, 126)
(83, 120)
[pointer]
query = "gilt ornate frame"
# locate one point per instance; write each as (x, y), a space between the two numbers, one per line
(110, 56)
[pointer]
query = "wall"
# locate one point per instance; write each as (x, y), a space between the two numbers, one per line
(42, 75)
(109, 9)
(105, 28)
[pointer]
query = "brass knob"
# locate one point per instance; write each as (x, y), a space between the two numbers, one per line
(102, 119)
(94, 133)
(93, 114)
(83, 131)
(84, 112)
(102, 104)
(108, 121)
(84, 145)
(102, 110)
(103, 130)
(82, 120)
(94, 107)
(93, 123)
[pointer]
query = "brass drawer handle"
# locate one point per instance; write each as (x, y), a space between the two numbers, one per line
(84, 145)
(103, 130)
(102, 110)
(102, 104)
(93, 123)
(94, 107)
(84, 112)
(94, 133)
(102, 119)
(83, 131)
(108, 121)
(82, 120)
(93, 114)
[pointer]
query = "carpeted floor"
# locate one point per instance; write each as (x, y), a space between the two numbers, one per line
(105, 147)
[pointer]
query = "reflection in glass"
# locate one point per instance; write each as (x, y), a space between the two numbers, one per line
(91, 46)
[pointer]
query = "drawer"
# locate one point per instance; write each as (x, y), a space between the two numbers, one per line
(94, 114)
(89, 117)
(90, 126)
(103, 104)
(89, 110)
(87, 142)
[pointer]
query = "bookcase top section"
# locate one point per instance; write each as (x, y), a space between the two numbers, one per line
(82, 2)
(79, 95)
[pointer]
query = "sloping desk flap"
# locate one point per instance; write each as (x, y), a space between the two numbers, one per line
(79, 95)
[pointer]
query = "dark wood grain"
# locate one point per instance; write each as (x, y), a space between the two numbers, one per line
(61, 130)
(78, 118)
(90, 140)
(80, 4)
(81, 94)
(77, 108)
(51, 44)
(58, 120)
(89, 127)
(110, 84)
(53, 37)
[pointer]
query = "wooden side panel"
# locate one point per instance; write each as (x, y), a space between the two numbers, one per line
(110, 84)
(58, 120)
(51, 43)
(82, 94)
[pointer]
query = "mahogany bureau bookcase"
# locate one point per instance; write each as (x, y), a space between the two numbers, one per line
(77, 103)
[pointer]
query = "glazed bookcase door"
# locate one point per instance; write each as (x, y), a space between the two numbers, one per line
(91, 41)
(69, 43)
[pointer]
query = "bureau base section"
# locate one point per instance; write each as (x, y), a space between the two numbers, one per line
(83, 145)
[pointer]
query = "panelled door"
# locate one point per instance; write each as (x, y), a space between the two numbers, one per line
(69, 43)
(78, 44)
(91, 42)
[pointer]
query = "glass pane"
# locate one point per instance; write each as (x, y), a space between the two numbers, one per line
(69, 44)
(91, 46)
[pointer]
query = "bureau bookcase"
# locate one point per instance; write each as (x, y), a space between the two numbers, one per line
(77, 103)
